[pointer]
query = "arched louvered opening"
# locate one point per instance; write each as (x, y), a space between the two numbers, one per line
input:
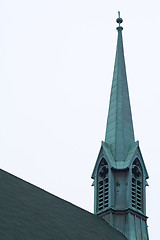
(102, 185)
(137, 181)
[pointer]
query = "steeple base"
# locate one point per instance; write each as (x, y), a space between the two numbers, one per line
(132, 224)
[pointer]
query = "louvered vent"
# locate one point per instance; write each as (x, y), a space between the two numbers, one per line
(137, 185)
(103, 185)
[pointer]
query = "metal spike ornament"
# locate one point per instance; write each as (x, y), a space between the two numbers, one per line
(119, 20)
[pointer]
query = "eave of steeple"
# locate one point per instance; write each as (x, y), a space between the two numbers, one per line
(119, 130)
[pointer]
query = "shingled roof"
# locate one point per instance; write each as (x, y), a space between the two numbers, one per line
(28, 212)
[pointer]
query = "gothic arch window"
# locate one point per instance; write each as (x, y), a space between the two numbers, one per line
(102, 185)
(137, 181)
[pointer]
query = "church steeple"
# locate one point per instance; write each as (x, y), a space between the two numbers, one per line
(119, 131)
(120, 173)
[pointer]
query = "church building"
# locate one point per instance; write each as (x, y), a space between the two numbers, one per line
(119, 180)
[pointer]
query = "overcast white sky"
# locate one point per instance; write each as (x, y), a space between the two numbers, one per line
(56, 66)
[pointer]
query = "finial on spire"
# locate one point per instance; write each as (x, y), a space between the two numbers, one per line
(119, 20)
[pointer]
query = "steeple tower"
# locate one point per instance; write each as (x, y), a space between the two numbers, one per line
(120, 173)
(119, 132)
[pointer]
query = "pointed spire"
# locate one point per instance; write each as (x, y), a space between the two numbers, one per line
(119, 131)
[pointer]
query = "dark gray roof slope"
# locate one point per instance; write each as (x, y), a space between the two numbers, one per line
(30, 213)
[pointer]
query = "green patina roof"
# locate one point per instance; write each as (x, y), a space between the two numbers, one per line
(28, 212)
(119, 131)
